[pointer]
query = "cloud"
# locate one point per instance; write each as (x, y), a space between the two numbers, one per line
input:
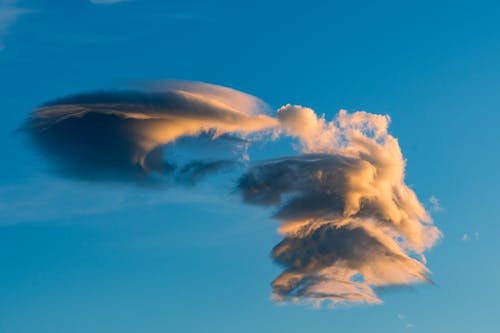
(340, 263)
(121, 134)
(107, 2)
(350, 224)
(407, 325)
(9, 13)
(435, 205)
(194, 171)
(466, 237)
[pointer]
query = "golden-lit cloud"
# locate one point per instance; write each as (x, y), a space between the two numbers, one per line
(350, 224)
(121, 133)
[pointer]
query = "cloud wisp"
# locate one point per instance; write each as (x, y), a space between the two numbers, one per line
(107, 2)
(349, 222)
(9, 13)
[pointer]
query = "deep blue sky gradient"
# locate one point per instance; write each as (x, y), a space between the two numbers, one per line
(79, 257)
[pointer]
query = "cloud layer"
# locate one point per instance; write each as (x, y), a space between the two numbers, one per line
(120, 134)
(349, 222)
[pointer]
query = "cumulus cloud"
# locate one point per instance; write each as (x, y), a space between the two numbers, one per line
(349, 222)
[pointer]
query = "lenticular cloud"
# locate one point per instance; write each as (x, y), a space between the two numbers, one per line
(120, 134)
(349, 222)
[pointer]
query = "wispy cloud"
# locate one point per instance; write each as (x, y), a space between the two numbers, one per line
(467, 237)
(349, 222)
(9, 14)
(435, 205)
(56, 199)
(403, 318)
(107, 2)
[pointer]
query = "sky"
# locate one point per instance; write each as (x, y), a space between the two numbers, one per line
(94, 253)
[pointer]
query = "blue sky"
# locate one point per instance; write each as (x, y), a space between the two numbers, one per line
(86, 257)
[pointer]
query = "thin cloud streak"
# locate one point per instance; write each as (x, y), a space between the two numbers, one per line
(9, 14)
(107, 2)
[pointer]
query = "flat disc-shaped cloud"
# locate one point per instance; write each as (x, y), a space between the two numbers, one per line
(121, 133)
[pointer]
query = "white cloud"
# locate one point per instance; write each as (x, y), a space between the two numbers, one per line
(407, 325)
(435, 205)
(106, 2)
(9, 13)
(52, 200)
(466, 237)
